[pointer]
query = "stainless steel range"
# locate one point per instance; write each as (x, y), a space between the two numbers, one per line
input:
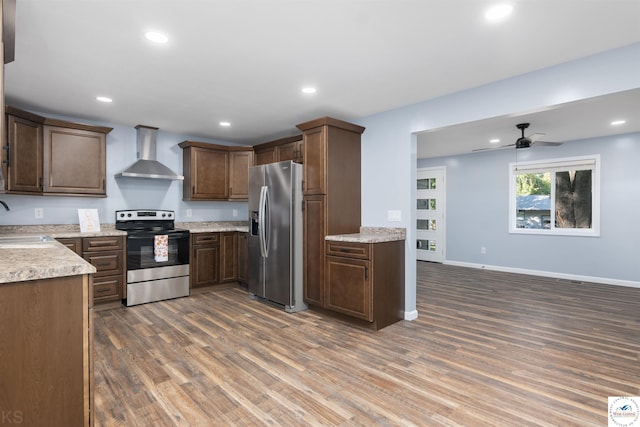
(157, 256)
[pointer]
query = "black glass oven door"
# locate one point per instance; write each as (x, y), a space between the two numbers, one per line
(140, 249)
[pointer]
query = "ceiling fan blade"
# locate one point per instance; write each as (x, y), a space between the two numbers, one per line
(493, 148)
(549, 143)
(535, 136)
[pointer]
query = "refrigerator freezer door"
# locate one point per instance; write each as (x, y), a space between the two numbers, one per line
(278, 224)
(256, 262)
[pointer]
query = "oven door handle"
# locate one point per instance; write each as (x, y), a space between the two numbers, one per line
(172, 236)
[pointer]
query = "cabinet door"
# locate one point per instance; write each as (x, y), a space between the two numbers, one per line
(46, 353)
(239, 174)
(243, 257)
(315, 157)
(314, 232)
(24, 155)
(209, 175)
(204, 260)
(265, 156)
(290, 151)
(74, 161)
(228, 256)
(349, 289)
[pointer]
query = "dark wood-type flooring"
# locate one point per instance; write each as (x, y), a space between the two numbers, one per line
(488, 349)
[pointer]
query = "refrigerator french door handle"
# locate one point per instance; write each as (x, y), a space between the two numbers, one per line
(262, 213)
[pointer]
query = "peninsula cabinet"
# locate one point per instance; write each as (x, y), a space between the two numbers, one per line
(53, 157)
(366, 281)
(279, 150)
(46, 327)
(331, 193)
(215, 172)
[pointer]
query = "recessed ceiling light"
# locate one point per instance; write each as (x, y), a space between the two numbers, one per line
(156, 37)
(104, 99)
(494, 140)
(618, 122)
(225, 124)
(309, 90)
(498, 12)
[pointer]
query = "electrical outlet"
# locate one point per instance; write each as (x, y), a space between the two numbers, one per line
(483, 250)
(189, 213)
(39, 213)
(394, 215)
(235, 212)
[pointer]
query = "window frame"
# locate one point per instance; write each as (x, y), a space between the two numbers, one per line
(557, 165)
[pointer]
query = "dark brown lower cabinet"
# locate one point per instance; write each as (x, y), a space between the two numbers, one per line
(47, 352)
(228, 256)
(314, 232)
(366, 281)
(107, 255)
(204, 262)
(243, 257)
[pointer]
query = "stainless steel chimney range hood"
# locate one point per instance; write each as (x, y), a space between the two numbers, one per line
(147, 166)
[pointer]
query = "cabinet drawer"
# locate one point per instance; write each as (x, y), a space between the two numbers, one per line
(348, 249)
(73, 243)
(107, 263)
(205, 238)
(107, 288)
(107, 243)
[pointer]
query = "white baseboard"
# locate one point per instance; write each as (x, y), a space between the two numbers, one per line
(411, 315)
(565, 276)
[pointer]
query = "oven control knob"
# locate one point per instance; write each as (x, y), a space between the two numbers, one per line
(129, 214)
(121, 214)
(169, 215)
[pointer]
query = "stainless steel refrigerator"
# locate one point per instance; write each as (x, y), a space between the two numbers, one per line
(275, 237)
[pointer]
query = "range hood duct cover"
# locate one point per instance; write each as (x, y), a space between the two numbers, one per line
(147, 166)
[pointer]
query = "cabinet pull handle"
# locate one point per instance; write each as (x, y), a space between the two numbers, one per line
(347, 250)
(193, 189)
(8, 148)
(366, 273)
(104, 243)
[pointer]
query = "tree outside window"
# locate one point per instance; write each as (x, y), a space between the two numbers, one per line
(557, 196)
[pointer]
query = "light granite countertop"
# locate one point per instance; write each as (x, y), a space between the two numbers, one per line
(19, 264)
(59, 231)
(371, 235)
(40, 261)
(214, 226)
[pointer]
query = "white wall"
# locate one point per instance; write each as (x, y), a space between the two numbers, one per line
(389, 148)
(478, 214)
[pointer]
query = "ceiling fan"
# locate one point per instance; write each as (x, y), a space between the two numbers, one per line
(524, 141)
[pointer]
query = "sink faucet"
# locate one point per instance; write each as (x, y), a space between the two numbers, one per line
(5, 205)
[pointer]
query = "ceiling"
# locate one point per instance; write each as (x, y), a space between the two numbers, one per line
(245, 61)
(570, 121)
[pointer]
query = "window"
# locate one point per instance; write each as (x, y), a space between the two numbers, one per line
(559, 196)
